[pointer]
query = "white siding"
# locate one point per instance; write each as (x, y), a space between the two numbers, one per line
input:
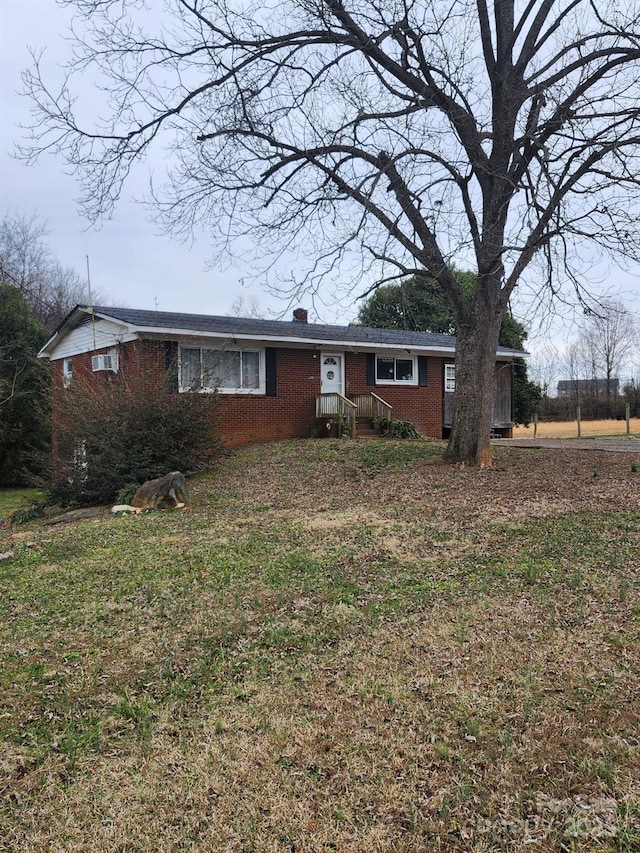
(81, 339)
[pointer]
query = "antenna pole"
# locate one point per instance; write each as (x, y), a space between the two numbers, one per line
(92, 312)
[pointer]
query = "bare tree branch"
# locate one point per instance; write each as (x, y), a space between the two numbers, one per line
(408, 134)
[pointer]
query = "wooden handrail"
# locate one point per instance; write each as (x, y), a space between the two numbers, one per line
(385, 409)
(368, 405)
(334, 405)
(372, 406)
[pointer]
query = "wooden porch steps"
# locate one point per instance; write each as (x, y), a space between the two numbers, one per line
(354, 416)
(365, 430)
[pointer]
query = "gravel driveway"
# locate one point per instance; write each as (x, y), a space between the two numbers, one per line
(615, 445)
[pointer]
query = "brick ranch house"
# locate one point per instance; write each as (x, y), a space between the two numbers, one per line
(276, 379)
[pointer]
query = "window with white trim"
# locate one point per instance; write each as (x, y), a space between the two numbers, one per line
(450, 378)
(233, 371)
(396, 370)
(67, 371)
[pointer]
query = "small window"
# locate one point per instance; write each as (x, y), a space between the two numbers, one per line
(67, 371)
(450, 378)
(390, 370)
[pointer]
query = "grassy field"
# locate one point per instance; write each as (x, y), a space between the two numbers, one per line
(15, 499)
(589, 429)
(339, 646)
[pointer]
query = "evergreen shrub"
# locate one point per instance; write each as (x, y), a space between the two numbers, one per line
(399, 429)
(125, 432)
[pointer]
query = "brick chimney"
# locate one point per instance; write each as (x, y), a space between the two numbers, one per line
(300, 315)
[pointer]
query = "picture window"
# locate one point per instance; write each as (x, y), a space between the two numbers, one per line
(227, 371)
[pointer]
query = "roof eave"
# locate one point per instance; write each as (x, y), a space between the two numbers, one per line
(155, 332)
(68, 324)
(161, 332)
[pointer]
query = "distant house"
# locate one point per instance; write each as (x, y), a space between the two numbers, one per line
(588, 387)
(276, 379)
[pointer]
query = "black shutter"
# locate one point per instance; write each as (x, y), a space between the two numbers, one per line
(270, 360)
(371, 368)
(171, 365)
(422, 370)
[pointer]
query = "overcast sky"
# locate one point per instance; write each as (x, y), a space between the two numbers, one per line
(131, 263)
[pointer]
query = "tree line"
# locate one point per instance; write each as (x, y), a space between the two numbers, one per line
(599, 370)
(36, 293)
(129, 432)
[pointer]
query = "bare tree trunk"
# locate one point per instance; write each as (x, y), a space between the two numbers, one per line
(473, 401)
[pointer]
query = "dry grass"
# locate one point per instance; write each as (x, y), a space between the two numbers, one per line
(569, 429)
(340, 646)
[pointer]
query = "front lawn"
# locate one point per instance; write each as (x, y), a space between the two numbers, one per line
(339, 646)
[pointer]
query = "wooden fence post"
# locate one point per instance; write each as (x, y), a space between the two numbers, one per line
(535, 425)
(579, 422)
(628, 416)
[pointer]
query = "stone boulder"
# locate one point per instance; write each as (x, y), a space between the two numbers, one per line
(168, 492)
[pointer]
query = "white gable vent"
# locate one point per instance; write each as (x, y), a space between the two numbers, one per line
(104, 362)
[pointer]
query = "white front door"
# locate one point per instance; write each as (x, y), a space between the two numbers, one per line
(331, 373)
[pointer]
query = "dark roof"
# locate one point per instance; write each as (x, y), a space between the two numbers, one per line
(279, 329)
(579, 386)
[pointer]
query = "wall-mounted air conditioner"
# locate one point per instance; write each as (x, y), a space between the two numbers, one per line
(104, 362)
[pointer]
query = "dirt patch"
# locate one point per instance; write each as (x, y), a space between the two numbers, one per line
(346, 518)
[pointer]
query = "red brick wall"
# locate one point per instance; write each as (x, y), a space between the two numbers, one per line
(244, 418)
(422, 405)
(143, 357)
(134, 359)
(291, 414)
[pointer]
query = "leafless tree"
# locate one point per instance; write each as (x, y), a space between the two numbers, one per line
(249, 307)
(575, 373)
(418, 133)
(609, 339)
(631, 391)
(26, 261)
(543, 368)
